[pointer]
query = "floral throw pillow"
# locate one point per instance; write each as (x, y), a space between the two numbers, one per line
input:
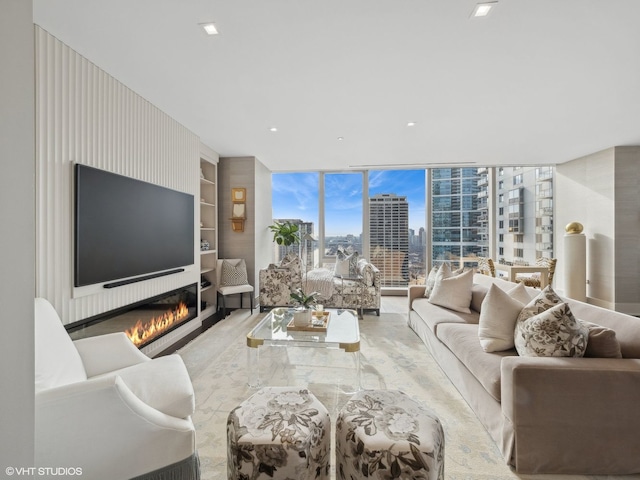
(553, 332)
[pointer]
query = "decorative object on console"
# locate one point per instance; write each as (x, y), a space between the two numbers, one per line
(238, 209)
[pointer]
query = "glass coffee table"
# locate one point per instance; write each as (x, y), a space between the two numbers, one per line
(342, 332)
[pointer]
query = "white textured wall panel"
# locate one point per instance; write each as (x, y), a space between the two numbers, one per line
(84, 115)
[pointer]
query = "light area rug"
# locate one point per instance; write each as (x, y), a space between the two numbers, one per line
(392, 357)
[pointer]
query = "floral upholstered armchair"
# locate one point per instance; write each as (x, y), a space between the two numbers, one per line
(359, 291)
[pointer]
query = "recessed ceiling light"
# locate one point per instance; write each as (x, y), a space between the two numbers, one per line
(273, 129)
(209, 28)
(483, 9)
(340, 139)
(411, 124)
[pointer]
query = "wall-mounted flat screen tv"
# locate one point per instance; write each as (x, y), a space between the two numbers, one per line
(127, 228)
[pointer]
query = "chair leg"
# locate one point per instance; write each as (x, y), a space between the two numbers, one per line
(240, 299)
(224, 308)
(251, 301)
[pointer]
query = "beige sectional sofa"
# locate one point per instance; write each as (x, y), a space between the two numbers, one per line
(546, 414)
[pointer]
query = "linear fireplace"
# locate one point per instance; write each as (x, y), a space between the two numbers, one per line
(144, 322)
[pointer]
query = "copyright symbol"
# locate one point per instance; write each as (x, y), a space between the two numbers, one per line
(9, 471)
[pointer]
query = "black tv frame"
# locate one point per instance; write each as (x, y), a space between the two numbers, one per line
(128, 230)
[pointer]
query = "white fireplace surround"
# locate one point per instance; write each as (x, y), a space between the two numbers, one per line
(85, 115)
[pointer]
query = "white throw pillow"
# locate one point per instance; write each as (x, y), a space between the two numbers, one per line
(498, 316)
(520, 293)
(453, 293)
(346, 264)
(431, 281)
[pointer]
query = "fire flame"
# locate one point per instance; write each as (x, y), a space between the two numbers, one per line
(141, 333)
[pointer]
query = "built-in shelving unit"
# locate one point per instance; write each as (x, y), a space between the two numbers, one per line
(208, 233)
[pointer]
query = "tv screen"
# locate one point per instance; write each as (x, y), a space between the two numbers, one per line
(126, 227)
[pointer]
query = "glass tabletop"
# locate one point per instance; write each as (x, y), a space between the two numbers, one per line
(342, 331)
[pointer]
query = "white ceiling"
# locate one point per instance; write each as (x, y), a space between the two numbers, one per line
(536, 82)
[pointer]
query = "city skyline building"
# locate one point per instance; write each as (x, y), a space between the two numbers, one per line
(389, 237)
(455, 219)
(524, 213)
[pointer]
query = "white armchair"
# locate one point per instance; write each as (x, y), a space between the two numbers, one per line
(105, 407)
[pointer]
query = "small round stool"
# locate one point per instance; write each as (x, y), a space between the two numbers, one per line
(279, 432)
(386, 434)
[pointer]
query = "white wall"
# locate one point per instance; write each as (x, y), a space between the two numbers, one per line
(602, 192)
(17, 237)
(84, 115)
(585, 193)
(254, 244)
(627, 229)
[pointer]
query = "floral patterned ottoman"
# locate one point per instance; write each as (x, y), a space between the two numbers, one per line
(279, 432)
(384, 434)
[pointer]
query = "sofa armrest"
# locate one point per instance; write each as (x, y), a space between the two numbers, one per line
(415, 291)
(572, 415)
(106, 353)
(101, 427)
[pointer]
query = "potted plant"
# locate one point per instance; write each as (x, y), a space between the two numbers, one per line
(285, 233)
(302, 315)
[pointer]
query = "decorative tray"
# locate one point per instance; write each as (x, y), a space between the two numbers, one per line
(320, 321)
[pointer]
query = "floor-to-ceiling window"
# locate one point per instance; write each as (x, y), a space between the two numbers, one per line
(381, 214)
(295, 198)
(343, 207)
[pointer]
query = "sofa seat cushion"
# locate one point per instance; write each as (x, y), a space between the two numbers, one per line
(163, 384)
(434, 315)
(462, 340)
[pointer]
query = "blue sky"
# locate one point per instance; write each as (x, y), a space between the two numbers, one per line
(295, 195)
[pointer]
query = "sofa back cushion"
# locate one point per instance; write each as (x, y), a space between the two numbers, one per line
(627, 328)
(452, 291)
(57, 362)
(602, 342)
